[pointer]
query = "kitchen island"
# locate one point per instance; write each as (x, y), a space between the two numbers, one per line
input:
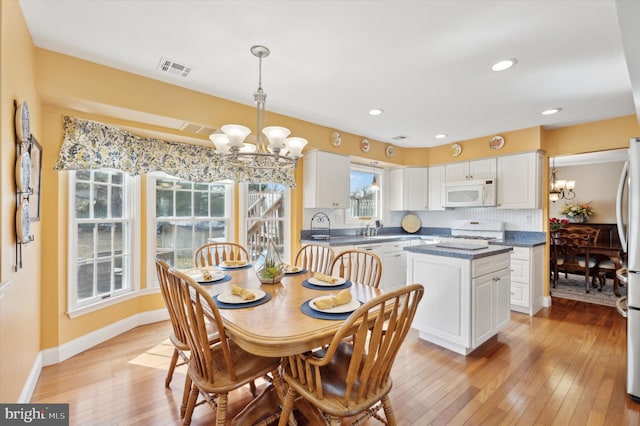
(467, 293)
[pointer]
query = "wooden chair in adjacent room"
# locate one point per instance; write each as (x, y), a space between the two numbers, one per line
(351, 376)
(214, 254)
(571, 254)
(360, 266)
(315, 258)
(214, 370)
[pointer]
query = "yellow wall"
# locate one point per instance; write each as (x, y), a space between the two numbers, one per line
(55, 85)
(20, 300)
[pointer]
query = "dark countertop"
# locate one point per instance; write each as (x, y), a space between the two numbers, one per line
(349, 240)
(432, 249)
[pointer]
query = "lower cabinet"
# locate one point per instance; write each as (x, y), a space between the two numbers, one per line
(466, 302)
(527, 279)
(394, 265)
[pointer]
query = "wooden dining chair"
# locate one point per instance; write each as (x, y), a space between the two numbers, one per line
(571, 254)
(315, 258)
(214, 370)
(360, 266)
(177, 336)
(351, 376)
(213, 254)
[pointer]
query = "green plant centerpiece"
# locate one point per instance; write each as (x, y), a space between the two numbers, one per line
(273, 269)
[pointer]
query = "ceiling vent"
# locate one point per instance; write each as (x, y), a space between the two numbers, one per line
(172, 67)
(198, 129)
(399, 138)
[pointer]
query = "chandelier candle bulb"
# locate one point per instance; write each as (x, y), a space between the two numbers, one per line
(221, 142)
(295, 145)
(236, 134)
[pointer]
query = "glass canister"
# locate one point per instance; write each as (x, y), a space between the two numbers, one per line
(272, 269)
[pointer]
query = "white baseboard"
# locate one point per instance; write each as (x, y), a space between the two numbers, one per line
(32, 381)
(547, 301)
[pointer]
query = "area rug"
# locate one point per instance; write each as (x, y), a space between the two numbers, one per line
(573, 288)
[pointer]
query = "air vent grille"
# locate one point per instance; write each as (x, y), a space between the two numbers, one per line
(399, 138)
(172, 67)
(198, 129)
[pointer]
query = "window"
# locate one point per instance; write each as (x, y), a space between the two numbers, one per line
(267, 209)
(364, 201)
(100, 242)
(187, 215)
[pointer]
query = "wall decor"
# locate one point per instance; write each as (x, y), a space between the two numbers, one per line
(496, 142)
(390, 151)
(365, 145)
(336, 139)
(455, 150)
(36, 179)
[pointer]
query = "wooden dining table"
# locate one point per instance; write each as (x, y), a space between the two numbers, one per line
(279, 328)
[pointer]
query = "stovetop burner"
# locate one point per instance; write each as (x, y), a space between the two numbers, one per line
(473, 237)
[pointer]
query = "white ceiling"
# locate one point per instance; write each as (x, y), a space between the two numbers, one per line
(426, 63)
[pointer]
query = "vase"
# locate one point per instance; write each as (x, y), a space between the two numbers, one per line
(273, 269)
(576, 219)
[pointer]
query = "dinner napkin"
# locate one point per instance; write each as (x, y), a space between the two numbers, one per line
(343, 297)
(234, 262)
(326, 278)
(206, 275)
(242, 292)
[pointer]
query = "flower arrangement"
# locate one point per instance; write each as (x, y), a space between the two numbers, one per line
(555, 223)
(577, 210)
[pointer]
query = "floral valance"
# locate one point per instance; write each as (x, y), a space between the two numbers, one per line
(92, 145)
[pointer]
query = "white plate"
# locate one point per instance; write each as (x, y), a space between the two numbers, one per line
(215, 276)
(455, 150)
(23, 126)
(316, 281)
(411, 223)
(293, 269)
(227, 297)
(23, 172)
(23, 222)
(347, 307)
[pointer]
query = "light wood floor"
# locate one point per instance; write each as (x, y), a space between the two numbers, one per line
(565, 366)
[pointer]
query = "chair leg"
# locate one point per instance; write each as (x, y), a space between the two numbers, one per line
(335, 421)
(193, 398)
(388, 410)
(172, 367)
(185, 395)
(221, 412)
(287, 407)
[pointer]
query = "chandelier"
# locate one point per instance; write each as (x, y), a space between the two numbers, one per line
(272, 158)
(559, 188)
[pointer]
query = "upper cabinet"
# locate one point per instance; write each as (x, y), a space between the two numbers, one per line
(468, 170)
(519, 181)
(326, 178)
(436, 187)
(407, 189)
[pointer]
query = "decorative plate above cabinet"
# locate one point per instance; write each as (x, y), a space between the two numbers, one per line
(455, 150)
(365, 145)
(336, 139)
(390, 151)
(496, 142)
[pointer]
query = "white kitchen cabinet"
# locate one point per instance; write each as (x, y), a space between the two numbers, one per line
(326, 180)
(436, 188)
(465, 302)
(527, 279)
(394, 265)
(519, 181)
(408, 188)
(469, 170)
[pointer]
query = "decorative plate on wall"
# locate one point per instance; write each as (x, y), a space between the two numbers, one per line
(455, 150)
(23, 172)
(23, 222)
(365, 145)
(23, 127)
(496, 142)
(390, 151)
(336, 139)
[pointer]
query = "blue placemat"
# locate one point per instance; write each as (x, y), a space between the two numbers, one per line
(309, 311)
(233, 268)
(224, 280)
(307, 284)
(223, 305)
(302, 271)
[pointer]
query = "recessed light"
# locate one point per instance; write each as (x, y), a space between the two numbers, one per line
(504, 64)
(551, 111)
(441, 136)
(376, 111)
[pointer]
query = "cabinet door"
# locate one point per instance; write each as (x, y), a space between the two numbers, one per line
(415, 188)
(456, 171)
(480, 169)
(518, 181)
(436, 188)
(394, 270)
(326, 180)
(483, 306)
(395, 190)
(502, 297)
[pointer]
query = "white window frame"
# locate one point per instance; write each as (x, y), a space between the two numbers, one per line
(131, 193)
(152, 278)
(243, 192)
(381, 182)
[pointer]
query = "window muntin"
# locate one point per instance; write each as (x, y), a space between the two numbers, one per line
(187, 215)
(364, 202)
(100, 236)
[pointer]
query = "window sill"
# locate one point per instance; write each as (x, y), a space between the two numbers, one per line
(109, 302)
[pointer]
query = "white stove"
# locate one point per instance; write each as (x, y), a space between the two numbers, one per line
(478, 232)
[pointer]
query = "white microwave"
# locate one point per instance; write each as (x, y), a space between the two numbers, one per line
(470, 193)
